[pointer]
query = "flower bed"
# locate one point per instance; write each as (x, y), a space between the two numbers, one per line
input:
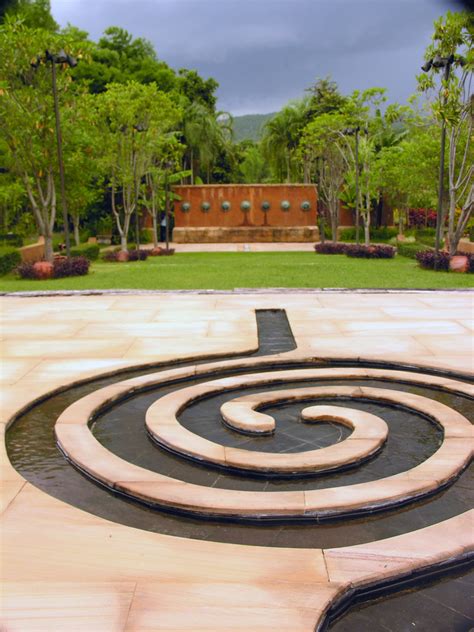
(374, 251)
(331, 248)
(60, 268)
(123, 255)
(427, 259)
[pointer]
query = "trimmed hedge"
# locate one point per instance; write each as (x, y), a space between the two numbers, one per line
(10, 258)
(428, 258)
(331, 248)
(74, 266)
(410, 249)
(374, 251)
(384, 233)
(133, 255)
(62, 267)
(11, 239)
(138, 255)
(89, 251)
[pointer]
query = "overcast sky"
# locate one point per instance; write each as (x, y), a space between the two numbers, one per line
(266, 52)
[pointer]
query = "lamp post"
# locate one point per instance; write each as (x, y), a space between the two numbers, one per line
(59, 58)
(446, 63)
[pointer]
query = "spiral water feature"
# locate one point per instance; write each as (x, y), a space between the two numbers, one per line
(278, 449)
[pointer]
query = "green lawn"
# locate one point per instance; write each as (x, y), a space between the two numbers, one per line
(224, 271)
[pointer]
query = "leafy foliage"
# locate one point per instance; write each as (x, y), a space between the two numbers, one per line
(89, 251)
(9, 259)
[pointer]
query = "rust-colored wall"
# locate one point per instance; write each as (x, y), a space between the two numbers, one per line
(296, 194)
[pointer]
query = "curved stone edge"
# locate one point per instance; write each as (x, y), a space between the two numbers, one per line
(241, 414)
(390, 560)
(163, 425)
(86, 453)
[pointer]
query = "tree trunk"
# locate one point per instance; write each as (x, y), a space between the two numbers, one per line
(334, 217)
(77, 238)
(48, 248)
(123, 243)
(367, 229)
(155, 230)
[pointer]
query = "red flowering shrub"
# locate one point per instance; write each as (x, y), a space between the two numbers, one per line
(138, 255)
(374, 251)
(421, 218)
(130, 255)
(62, 267)
(330, 248)
(74, 266)
(427, 259)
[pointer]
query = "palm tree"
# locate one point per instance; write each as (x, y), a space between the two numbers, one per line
(281, 137)
(205, 133)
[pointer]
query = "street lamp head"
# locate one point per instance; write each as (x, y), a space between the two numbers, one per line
(427, 65)
(61, 58)
(439, 62)
(71, 61)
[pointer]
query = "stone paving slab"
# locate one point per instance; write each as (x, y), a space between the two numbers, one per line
(91, 574)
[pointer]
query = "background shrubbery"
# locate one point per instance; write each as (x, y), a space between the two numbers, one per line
(9, 259)
(89, 251)
(384, 233)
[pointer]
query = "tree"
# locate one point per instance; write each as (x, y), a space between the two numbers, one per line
(254, 167)
(85, 178)
(325, 98)
(27, 116)
(196, 89)
(33, 14)
(159, 173)
(320, 145)
(205, 133)
(133, 117)
(405, 169)
(281, 136)
(119, 58)
(453, 106)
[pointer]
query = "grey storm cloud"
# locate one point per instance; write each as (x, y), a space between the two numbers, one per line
(266, 52)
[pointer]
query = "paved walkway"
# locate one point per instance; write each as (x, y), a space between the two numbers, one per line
(253, 247)
(65, 569)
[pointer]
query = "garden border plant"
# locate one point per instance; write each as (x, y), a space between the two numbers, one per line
(60, 268)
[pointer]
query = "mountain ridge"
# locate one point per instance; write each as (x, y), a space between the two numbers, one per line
(250, 126)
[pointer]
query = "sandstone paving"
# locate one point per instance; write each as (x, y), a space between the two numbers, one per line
(65, 569)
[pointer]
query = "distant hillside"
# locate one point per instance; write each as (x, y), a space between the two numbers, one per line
(249, 126)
